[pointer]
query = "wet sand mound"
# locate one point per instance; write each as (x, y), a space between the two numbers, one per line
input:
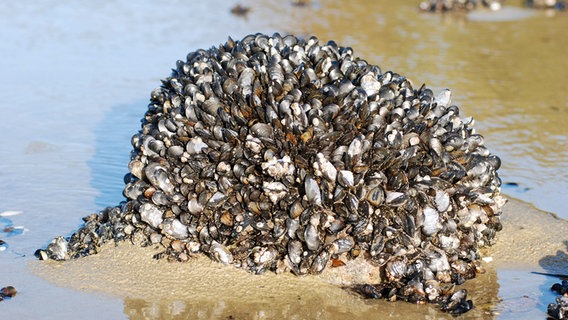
(203, 289)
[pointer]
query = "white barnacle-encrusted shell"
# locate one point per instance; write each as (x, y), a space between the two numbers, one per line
(274, 190)
(444, 98)
(194, 206)
(431, 223)
(313, 192)
(175, 228)
(253, 143)
(442, 200)
(151, 214)
(158, 176)
(346, 178)
(312, 237)
(195, 145)
(277, 168)
(58, 248)
(324, 168)
(370, 84)
(220, 254)
(356, 147)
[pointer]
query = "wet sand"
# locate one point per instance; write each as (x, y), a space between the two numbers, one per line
(202, 289)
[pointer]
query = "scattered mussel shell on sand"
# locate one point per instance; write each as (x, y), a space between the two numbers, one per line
(286, 154)
(494, 5)
(459, 5)
(547, 4)
(441, 6)
(559, 308)
(7, 292)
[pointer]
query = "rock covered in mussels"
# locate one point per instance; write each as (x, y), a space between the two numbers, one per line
(281, 153)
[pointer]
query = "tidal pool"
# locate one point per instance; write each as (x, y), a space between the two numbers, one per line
(76, 79)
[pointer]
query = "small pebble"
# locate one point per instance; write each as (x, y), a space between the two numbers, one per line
(7, 293)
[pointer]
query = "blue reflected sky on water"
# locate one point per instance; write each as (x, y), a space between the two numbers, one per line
(112, 142)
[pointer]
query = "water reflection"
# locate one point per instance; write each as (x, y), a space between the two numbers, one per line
(483, 291)
(529, 298)
(109, 163)
(222, 309)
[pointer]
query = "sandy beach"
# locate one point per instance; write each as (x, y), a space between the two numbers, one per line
(202, 289)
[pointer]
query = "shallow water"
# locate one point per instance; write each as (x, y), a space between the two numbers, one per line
(76, 78)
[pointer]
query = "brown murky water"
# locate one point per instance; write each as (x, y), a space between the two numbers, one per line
(75, 81)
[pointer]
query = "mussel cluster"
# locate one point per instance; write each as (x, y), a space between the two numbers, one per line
(547, 4)
(459, 5)
(468, 5)
(559, 310)
(286, 154)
